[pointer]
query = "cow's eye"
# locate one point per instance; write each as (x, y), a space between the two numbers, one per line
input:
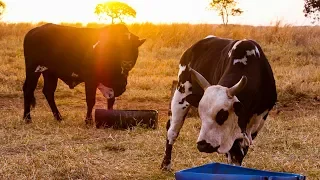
(222, 116)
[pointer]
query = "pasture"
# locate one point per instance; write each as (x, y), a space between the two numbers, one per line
(47, 149)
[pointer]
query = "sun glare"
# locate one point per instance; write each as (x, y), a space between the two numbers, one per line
(256, 12)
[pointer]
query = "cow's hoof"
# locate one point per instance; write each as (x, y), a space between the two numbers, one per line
(165, 166)
(27, 121)
(89, 121)
(58, 116)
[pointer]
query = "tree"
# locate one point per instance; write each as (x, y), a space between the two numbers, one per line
(225, 8)
(312, 9)
(2, 8)
(114, 10)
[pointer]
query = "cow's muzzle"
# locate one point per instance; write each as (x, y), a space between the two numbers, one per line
(203, 146)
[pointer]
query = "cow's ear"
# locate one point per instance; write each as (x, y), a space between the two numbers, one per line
(140, 42)
(238, 108)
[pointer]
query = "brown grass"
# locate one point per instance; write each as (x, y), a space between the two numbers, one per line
(47, 149)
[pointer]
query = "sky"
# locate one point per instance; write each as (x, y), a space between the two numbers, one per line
(256, 12)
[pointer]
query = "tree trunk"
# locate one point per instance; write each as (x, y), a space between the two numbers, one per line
(222, 16)
(227, 16)
(112, 20)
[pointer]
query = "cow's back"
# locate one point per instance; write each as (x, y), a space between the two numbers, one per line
(54, 39)
(61, 49)
(208, 56)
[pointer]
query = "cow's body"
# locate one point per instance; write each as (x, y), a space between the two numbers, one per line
(222, 62)
(75, 55)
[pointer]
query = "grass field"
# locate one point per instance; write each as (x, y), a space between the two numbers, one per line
(47, 149)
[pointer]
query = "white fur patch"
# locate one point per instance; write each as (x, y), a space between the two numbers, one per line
(106, 91)
(242, 60)
(41, 69)
(179, 107)
(251, 52)
(94, 46)
(181, 69)
(245, 59)
(234, 47)
(257, 51)
(209, 36)
(74, 75)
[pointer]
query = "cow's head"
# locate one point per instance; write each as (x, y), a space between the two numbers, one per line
(117, 53)
(219, 109)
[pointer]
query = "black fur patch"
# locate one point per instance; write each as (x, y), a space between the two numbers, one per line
(222, 116)
(168, 124)
(182, 89)
(243, 118)
(193, 99)
(182, 100)
(185, 106)
(238, 108)
(254, 135)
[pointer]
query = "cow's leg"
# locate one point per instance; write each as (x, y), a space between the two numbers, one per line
(50, 85)
(90, 89)
(29, 86)
(111, 102)
(177, 114)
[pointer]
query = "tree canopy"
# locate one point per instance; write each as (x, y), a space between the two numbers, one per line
(312, 9)
(114, 10)
(2, 7)
(225, 8)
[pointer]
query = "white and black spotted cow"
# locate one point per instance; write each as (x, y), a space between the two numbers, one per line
(232, 84)
(99, 57)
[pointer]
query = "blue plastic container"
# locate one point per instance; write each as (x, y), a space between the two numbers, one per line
(218, 171)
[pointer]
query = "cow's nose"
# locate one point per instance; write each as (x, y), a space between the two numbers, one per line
(203, 146)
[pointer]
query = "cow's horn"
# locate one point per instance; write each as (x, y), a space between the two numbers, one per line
(234, 90)
(200, 79)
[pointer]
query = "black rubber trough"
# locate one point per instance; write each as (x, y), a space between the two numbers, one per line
(124, 119)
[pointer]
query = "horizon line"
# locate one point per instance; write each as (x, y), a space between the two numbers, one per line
(279, 23)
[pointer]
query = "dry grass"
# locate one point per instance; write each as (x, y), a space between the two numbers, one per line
(47, 149)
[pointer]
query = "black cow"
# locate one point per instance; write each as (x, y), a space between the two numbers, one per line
(232, 84)
(99, 57)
